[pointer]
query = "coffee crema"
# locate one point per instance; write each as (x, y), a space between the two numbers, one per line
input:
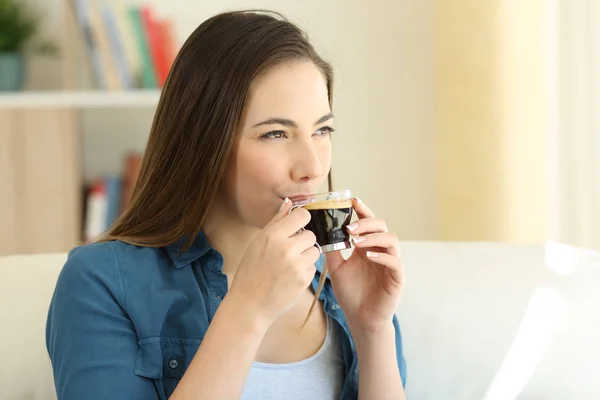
(332, 204)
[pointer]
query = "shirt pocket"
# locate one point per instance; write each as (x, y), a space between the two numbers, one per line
(165, 360)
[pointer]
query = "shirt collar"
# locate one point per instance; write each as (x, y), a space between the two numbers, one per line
(200, 246)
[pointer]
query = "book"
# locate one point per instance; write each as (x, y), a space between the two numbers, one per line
(100, 33)
(127, 36)
(156, 44)
(113, 186)
(117, 51)
(82, 12)
(148, 73)
(97, 202)
(131, 171)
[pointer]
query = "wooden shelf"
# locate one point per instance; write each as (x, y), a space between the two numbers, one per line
(80, 99)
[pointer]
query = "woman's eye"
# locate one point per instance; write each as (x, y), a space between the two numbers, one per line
(273, 135)
(326, 130)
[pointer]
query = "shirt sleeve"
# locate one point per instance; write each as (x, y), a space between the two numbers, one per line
(399, 352)
(90, 339)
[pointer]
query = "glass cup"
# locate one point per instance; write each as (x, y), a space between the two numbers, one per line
(331, 213)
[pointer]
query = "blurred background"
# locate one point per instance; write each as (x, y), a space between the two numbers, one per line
(457, 120)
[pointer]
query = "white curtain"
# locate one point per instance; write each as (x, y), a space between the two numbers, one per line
(575, 136)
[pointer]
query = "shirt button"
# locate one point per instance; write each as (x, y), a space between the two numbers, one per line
(335, 307)
(173, 363)
(218, 296)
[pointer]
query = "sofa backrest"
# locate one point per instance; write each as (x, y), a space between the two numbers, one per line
(26, 287)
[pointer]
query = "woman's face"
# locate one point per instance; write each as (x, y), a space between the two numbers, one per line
(284, 145)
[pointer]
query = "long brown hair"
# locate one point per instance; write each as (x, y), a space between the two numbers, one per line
(197, 120)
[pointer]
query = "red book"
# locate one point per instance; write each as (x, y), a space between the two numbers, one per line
(169, 40)
(156, 44)
(131, 171)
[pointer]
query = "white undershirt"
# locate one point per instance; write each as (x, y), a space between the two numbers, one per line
(319, 377)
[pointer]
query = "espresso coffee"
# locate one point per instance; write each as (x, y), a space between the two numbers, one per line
(329, 219)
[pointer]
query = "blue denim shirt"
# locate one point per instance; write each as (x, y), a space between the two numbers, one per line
(126, 321)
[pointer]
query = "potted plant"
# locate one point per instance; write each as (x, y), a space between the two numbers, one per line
(17, 27)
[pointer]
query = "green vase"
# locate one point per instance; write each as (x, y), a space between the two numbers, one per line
(12, 71)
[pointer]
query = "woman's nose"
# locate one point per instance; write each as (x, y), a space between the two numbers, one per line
(307, 165)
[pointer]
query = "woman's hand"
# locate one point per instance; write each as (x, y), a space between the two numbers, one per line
(368, 285)
(277, 267)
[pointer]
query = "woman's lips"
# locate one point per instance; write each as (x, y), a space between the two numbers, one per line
(296, 195)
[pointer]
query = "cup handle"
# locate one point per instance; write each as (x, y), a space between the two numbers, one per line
(317, 245)
(289, 212)
(294, 207)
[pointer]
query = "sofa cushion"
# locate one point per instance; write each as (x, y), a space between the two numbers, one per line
(501, 321)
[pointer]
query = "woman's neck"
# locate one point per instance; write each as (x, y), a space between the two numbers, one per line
(229, 236)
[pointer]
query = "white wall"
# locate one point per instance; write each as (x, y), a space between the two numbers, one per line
(382, 55)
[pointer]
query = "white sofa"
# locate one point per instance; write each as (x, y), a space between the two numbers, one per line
(480, 321)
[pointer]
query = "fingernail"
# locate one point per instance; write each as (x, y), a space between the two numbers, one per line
(285, 201)
(359, 239)
(352, 227)
(358, 200)
(372, 254)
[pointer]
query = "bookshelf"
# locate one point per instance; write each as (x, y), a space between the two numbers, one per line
(89, 99)
(42, 161)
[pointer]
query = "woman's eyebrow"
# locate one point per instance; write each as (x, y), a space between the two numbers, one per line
(290, 123)
(324, 118)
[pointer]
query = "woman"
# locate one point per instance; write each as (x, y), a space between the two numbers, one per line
(202, 287)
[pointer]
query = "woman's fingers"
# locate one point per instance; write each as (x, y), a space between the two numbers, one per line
(303, 241)
(388, 261)
(386, 241)
(361, 209)
(367, 225)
